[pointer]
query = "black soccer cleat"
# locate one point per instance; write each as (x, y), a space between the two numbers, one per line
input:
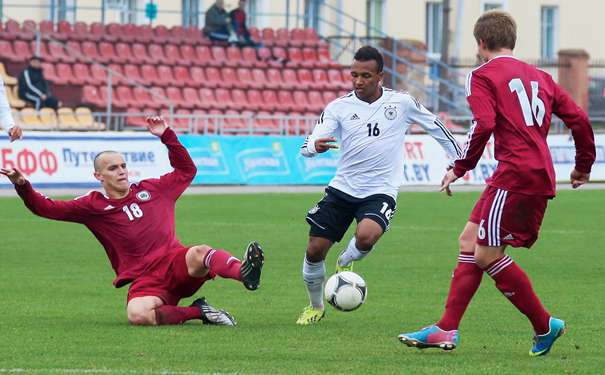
(252, 265)
(213, 316)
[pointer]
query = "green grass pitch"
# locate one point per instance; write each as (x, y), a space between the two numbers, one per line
(60, 314)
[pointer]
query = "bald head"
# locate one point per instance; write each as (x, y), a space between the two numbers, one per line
(106, 157)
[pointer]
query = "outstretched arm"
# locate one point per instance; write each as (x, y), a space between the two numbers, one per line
(6, 118)
(43, 206)
(323, 137)
(185, 170)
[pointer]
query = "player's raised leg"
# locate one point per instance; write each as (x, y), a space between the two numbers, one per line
(466, 279)
(314, 274)
(367, 233)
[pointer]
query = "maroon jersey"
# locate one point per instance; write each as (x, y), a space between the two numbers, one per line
(515, 101)
(134, 230)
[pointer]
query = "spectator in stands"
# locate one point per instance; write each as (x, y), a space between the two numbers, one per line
(34, 89)
(6, 118)
(238, 23)
(218, 24)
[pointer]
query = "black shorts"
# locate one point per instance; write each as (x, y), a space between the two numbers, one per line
(332, 215)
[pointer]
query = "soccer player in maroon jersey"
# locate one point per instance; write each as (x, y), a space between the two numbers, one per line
(515, 102)
(135, 225)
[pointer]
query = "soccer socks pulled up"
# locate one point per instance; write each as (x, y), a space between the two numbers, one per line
(169, 315)
(314, 274)
(465, 282)
(513, 282)
(351, 254)
(222, 263)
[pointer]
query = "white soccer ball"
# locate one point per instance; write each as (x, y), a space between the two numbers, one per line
(346, 291)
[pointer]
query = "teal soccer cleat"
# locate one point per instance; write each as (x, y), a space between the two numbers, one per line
(431, 337)
(543, 343)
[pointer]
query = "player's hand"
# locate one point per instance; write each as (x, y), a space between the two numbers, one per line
(448, 179)
(15, 133)
(14, 176)
(324, 144)
(156, 125)
(578, 178)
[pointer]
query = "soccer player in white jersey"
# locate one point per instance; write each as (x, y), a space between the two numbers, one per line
(6, 118)
(370, 124)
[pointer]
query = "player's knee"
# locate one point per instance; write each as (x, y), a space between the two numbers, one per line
(317, 249)
(466, 243)
(198, 253)
(140, 317)
(365, 240)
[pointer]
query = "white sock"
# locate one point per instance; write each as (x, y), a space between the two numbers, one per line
(314, 275)
(351, 254)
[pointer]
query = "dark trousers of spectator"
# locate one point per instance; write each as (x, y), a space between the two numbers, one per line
(221, 35)
(38, 102)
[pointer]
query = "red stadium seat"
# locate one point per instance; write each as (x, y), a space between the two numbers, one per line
(264, 123)
(246, 80)
(51, 75)
(89, 49)
(316, 101)
(132, 72)
(159, 97)
(172, 55)
(167, 78)
(6, 51)
(65, 31)
(191, 96)
(291, 80)
(161, 35)
(6, 34)
(47, 28)
(236, 121)
(208, 99)
(310, 55)
(336, 79)
(98, 32)
(249, 58)
(139, 52)
(279, 53)
(275, 78)
(65, 72)
(151, 75)
(156, 52)
(295, 58)
(306, 79)
(320, 79)
(268, 37)
(282, 37)
(28, 30)
(329, 96)
(58, 52)
(311, 38)
(145, 99)
(129, 33)
(297, 38)
(22, 50)
(144, 34)
(302, 101)
(256, 102)
(123, 50)
(43, 52)
(108, 53)
(83, 76)
(188, 57)
(114, 32)
(204, 56)
(91, 95)
(99, 74)
(80, 32)
(181, 75)
(198, 76)
(230, 79)
(135, 118)
(193, 36)
(213, 78)
(270, 99)
(224, 98)
(240, 100)
(126, 98)
(174, 95)
(260, 79)
(117, 75)
(234, 54)
(324, 58)
(74, 49)
(220, 57)
(287, 102)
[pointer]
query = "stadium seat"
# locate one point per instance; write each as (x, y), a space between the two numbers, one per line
(268, 37)
(13, 98)
(256, 102)
(235, 121)
(131, 72)
(320, 79)
(129, 33)
(291, 80)
(108, 53)
(194, 36)
(183, 121)
(86, 119)
(51, 75)
(140, 53)
(191, 96)
(271, 100)
(208, 99)
(302, 101)
(66, 119)
(310, 55)
(123, 50)
(255, 33)
(174, 95)
(156, 52)
(172, 55)
(223, 98)
(151, 75)
(144, 34)
(287, 103)
(47, 28)
(89, 49)
(91, 95)
(167, 78)
(246, 80)
(240, 101)
(220, 57)
(311, 38)
(260, 79)
(329, 96)
(336, 79)
(250, 59)
(297, 37)
(125, 98)
(274, 77)
(324, 58)
(8, 80)
(160, 97)
(214, 79)
(279, 54)
(161, 35)
(204, 57)
(6, 34)
(234, 55)
(198, 76)
(44, 54)
(282, 37)
(181, 76)
(135, 118)
(79, 31)
(305, 77)
(188, 56)
(28, 30)
(74, 49)
(118, 77)
(11, 31)
(7, 52)
(98, 74)
(230, 79)
(48, 118)
(144, 98)
(29, 119)
(316, 101)
(97, 32)
(113, 32)
(57, 51)
(65, 72)
(264, 123)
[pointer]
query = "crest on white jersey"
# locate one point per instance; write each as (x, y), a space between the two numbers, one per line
(143, 195)
(390, 112)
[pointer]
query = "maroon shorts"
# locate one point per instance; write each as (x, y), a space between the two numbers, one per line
(507, 218)
(167, 278)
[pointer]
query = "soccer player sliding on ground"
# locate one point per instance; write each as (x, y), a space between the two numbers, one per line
(514, 101)
(135, 225)
(371, 123)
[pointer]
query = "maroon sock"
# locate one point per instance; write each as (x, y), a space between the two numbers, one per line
(515, 285)
(222, 263)
(465, 282)
(167, 315)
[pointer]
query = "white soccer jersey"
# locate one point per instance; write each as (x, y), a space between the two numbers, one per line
(371, 138)
(6, 118)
